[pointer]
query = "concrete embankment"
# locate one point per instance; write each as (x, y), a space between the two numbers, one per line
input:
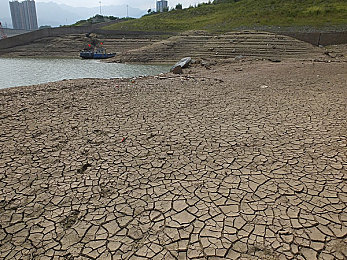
(158, 47)
(319, 38)
(315, 38)
(13, 32)
(28, 38)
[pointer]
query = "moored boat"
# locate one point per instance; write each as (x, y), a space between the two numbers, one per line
(95, 49)
(96, 54)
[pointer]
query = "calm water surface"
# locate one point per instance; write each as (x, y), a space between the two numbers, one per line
(26, 71)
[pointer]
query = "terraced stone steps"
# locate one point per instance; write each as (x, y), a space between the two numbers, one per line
(159, 48)
(229, 45)
(70, 45)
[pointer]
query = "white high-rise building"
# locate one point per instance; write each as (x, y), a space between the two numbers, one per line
(162, 5)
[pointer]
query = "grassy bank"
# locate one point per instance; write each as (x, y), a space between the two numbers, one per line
(245, 13)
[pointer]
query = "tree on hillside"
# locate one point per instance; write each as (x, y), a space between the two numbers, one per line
(179, 7)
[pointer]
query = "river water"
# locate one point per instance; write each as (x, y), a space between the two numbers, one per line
(30, 71)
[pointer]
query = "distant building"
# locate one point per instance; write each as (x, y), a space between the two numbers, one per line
(23, 15)
(162, 5)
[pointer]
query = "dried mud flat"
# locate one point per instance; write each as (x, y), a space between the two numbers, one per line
(241, 161)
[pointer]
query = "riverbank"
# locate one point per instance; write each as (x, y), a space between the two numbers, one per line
(226, 160)
(168, 49)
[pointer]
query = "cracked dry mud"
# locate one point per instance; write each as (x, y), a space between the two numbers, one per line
(208, 165)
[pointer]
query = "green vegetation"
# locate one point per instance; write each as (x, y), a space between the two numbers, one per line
(179, 7)
(99, 19)
(225, 15)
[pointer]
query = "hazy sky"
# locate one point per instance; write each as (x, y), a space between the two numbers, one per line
(142, 4)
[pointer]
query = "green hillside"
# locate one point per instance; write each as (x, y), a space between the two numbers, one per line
(244, 13)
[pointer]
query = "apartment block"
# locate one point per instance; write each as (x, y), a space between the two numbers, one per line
(23, 15)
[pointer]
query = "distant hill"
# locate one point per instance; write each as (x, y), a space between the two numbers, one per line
(225, 15)
(57, 14)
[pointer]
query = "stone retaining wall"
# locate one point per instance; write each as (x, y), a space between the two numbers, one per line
(326, 38)
(13, 32)
(316, 38)
(29, 37)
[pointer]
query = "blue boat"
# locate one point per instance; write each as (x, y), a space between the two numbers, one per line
(99, 53)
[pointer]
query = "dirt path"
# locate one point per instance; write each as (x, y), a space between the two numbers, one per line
(239, 161)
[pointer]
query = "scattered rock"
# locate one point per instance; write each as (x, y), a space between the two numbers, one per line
(239, 57)
(207, 64)
(274, 60)
(84, 168)
(177, 70)
(182, 64)
(330, 54)
(70, 220)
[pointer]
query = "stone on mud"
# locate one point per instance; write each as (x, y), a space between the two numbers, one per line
(182, 64)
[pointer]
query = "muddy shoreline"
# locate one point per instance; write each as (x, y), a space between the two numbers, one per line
(232, 160)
